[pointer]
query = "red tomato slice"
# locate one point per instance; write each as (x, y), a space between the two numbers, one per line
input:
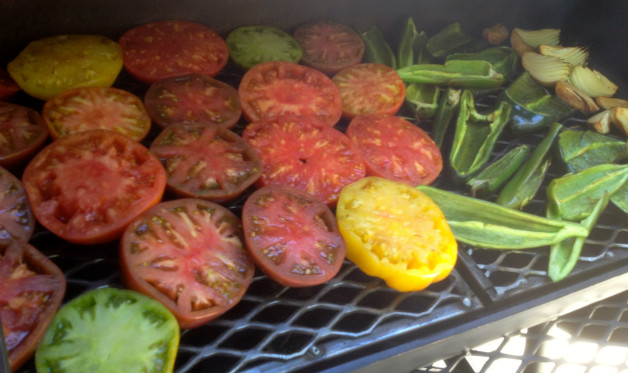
(31, 290)
(87, 187)
(165, 49)
(306, 154)
(193, 98)
(22, 133)
(189, 255)
(206, 161)
(292, 236)
(329, 46)
(90, 108)
(7, 85)
(276, 88)
(16, 218)
(370, 88)
(395, 149)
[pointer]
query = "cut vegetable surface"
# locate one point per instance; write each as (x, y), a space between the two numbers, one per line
(189, 255)
(17, 222)
(22, 133)
(252, 45)
(395, 232)
(91, 334)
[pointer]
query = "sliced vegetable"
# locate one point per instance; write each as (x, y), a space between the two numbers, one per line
(610, 102)
(546, 70)
(580, 149)
(395, 232)
(91, 334)
(592, 82)
(573, 55)
(447, 39)
(49, 66)
(503, 59)
(292, 236)
(619, 117)
(486, 224)
(475, 136)
(422, 99)
(525, 182)
(252, 45)
(576, 98)
(529, 40)
(489, 179)
(22, 134)
(377, 49)
(454, 73)
(600, 122)
(8, 86)
(412, 46)
(447, 109)
(17, 222)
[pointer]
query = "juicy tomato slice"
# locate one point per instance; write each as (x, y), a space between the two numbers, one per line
(278, 88)
(329, 46)
(22, 133)
(306, 154)
(91, 334)
(193, 98)
(395, 232)
(252, 45)
(31, 290)
(370, 88)
(49, 66)
(90, 108)
(292, 236)
(8, 86)
(206, 161)
(16, 220)
(164, 49)
(395, 149)
(189, 255)
(87, 187)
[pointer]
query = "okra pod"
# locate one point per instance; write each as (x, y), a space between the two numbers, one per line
(571, 197)
(511, 195)
(446, 40)
(475, 136)
(454, 73)
(376, 49)
(494, 175)
(447, 108)
(486, 224)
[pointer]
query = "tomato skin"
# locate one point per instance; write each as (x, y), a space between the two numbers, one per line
(90, 108)
(49, 66)
(191, 99)
(31, 290)
(119, 179)
(278, 88)
(395, 232)
(292, 236)
(370, 88)
(165, 49)
(24, 132)
(306, 154)
(206, 161)
(329, 46)
(16, 220)
(8, 86)
(189, 255)
(395, 149)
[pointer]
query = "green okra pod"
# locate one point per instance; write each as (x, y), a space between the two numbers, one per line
(448, 39)
(564, 254)
(528, 175)
(454, 73)
(489, 179)
(475, 136)
(422, 99)
(573, 196)
(376, 49)
(447, 109)
(486, 224)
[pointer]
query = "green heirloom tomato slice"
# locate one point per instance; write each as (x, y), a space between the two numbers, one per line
(110, 330)
(188, 254)
(49, 66)
(252, 45)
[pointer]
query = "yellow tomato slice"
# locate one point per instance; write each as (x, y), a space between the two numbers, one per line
(49, 66)
(395, 232)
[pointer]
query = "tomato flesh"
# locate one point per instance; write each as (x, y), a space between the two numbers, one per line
(22, 133)
(191, 99)
(395, 232)
(189, 255)
(89, 108)
(31, 289)
(278, 88)
(370, 88)
(165, 49)
(329, 46)
(395, 149)
(207, 162)
(292, 236)
(7, 85)
(119, 179)
(252, 45)
(16, 220)
(306, 154)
